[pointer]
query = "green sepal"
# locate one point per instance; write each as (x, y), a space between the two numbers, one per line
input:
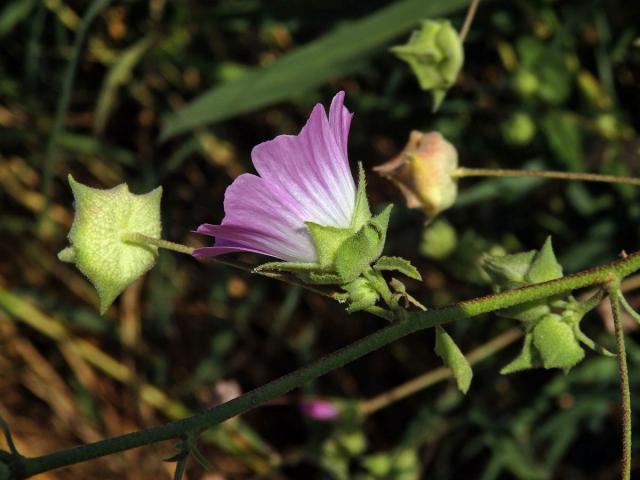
(453, 358)
(520, 269)
(556, 343)
(508, 271)
(361, 211)
(544, 266)
(397, 264)
(527, 359)
(327, 241)
(97, 249)
(359, 251)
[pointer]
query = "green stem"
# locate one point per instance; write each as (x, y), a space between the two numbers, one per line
(417, 321)
(614, 297)
(139, 238)
(135, 237)
(505, 172)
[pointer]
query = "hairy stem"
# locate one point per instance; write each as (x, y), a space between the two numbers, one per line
(135, 237)
(614, 297)
(26, 467)
(505, 172)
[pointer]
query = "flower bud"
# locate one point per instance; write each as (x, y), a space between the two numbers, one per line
(435, 55)
(423, 172)
(98, 249)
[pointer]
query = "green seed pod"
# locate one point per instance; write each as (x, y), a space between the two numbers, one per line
(102, 219)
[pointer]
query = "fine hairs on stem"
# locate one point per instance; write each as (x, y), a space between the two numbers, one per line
(463, 172)
(25, 467)
(614, 297)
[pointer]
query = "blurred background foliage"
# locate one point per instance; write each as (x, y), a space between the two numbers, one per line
(177, 93)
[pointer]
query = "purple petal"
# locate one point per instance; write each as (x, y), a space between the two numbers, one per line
(304, 177)
(314, 167)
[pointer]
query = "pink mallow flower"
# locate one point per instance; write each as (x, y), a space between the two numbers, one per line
(301, 178)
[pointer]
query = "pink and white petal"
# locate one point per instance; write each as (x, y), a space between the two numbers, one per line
(314, 168)
(247, 239)
(262, 217)
(340, 121)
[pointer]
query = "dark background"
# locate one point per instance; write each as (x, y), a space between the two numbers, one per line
(546, 84)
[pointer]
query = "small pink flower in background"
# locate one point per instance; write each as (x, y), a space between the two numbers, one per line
(321, 410)
(302, 178)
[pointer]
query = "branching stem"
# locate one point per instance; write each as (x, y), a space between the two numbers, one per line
(26, 467)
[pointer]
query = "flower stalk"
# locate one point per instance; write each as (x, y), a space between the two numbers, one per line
(464, 172)
(26, 467)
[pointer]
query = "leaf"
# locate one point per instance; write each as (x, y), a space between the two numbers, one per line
(310, 66)
(119, 74)
(398, 264)
(13, 13)
(453, 358)
(507, 270)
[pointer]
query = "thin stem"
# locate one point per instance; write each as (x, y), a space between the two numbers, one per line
(628, 308)
(139, 238)
(415, 322)
(135, 237)
(372, 405)
(505, 172)
(468, 20)
(614, 297)
(65, 97)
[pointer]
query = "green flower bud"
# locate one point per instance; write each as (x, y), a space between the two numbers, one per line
(435, 55)
(423, 172)
(361, 295)
(439, 240)
(99, 248)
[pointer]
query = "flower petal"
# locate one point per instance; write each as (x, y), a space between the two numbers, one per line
(314, 166)
(303, 178)
(263, 218)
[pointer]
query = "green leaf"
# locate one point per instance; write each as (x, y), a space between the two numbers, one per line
(453, 358)
(13, 13)
(327, 241)
(398, 264)
(339, 52)
(119, 74)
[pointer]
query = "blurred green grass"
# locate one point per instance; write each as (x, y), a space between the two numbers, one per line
(546, 85)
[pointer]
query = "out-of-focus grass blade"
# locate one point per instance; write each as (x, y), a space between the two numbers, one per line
(119, 74)
(13, 13)
(337, 53)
